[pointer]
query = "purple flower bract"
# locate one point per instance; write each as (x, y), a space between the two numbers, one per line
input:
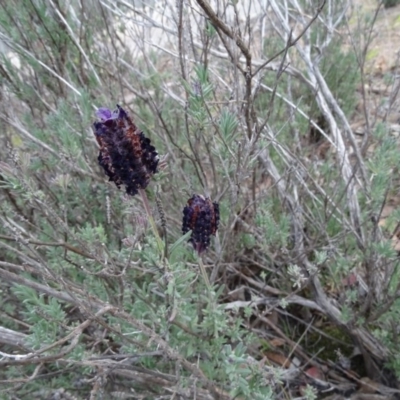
(201, 216)
(126, 155)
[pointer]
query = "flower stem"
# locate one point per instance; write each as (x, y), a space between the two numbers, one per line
(212, 300)
(204, 273)
(146, 204)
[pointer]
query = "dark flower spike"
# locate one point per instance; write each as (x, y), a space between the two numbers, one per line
(126, 155)
(201, 216)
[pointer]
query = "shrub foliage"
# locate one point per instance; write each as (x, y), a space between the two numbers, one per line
(249, 105)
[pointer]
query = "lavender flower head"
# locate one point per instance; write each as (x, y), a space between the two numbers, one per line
(126, 155)
(201, 216)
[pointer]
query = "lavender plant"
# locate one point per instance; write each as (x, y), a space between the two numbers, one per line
(255, 109)
(126, 155)
(201, 216)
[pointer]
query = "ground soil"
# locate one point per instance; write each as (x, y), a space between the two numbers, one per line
(381, 67)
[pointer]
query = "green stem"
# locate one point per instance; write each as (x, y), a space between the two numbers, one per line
(211, 295)
(146, 204)
(205, 276)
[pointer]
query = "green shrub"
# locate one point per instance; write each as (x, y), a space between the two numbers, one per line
(103, 296)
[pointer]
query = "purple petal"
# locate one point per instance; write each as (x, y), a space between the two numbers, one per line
(120, 112)
(104, 114)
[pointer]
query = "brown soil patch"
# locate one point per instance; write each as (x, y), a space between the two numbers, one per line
(381, 84)
(383, 54)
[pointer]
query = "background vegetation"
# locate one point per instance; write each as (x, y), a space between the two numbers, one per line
(252, 103)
